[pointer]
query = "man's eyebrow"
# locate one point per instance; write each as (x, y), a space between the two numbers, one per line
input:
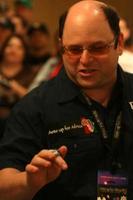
(99, 42)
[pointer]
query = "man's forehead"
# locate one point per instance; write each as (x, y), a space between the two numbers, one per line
(85, 25)
(84, 17)
(84, 10)
(83, 20)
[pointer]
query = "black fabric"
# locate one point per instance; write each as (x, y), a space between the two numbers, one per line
(50, 116)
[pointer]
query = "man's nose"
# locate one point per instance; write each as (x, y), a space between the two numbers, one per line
(86, 57)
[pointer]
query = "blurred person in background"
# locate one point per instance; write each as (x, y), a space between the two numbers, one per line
(51, 67)
(126, 59)
(41, 59)
(20, 24)
(15, 73)
(5, 10)
(57, 53)
(24, 9)
(6, 29)
(127, 34)
(39, 42)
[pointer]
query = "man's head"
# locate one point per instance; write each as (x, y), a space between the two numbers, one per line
(91, 43)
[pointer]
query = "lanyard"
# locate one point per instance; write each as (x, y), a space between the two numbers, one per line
(114, 146)
(100, 123)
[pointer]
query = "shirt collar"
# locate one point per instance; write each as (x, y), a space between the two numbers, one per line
(68, 90)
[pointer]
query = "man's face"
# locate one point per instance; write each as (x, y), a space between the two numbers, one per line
(90, 69)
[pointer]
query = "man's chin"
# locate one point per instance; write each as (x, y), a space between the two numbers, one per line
(87, 84)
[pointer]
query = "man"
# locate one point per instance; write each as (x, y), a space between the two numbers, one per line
(85, 113)
(38, 40)
(40, 59)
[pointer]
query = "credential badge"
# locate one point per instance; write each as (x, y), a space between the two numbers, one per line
(131, 104)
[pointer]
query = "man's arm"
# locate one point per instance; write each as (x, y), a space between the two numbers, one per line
(44, 168)
(13, 185)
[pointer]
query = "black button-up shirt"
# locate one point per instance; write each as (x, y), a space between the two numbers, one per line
(51, 116)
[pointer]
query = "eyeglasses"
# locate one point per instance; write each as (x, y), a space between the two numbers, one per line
(98, 49)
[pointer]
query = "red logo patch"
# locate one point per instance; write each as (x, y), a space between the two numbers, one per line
(88, 125)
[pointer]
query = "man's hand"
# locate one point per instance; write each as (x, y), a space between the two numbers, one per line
(46, 166)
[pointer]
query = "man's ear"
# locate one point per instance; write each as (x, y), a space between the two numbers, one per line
(120, 45)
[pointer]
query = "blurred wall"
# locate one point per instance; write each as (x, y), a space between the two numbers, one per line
(50, 10)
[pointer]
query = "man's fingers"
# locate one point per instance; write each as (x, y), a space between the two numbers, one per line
(46, 158)
(63, 151)
(31, 168)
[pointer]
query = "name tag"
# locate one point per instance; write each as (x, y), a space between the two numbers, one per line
(112, 186)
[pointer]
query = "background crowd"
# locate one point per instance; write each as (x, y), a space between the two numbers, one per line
(25, 55)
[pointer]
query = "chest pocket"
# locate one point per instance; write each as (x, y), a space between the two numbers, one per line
(83, 155)
(78, 143)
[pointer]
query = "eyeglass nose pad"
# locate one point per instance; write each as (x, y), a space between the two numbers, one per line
(86, 56)
(86, 52)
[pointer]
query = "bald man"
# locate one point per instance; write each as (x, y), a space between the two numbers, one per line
(65, 133)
